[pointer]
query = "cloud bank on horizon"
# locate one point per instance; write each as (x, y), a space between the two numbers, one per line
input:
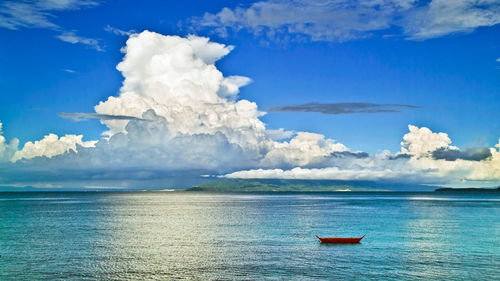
(177, 114)
(344, 20)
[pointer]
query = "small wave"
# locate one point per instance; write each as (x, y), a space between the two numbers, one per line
(36, 199)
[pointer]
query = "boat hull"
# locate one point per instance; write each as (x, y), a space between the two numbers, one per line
(340, 240)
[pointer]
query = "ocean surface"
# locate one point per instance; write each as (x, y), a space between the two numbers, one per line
(181, 235)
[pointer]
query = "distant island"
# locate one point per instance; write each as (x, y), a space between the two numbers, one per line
(468, 189)
(290, 185)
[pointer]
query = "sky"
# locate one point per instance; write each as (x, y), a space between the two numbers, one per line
(158, 94)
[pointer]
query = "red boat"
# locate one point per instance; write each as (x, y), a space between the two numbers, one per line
(339, 240)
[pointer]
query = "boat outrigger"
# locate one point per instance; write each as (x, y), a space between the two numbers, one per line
(339, 240)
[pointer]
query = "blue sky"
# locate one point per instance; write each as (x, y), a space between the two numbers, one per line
(62, 57)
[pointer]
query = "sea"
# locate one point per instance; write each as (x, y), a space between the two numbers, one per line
(259, 236)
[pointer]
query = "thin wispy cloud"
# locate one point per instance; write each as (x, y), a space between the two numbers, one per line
(15, 15)
(69, 70)
(37, 14)
(443, 17)
(343, 108)
(86, 116)
(341, 20)
(117, 31)
(73, 38)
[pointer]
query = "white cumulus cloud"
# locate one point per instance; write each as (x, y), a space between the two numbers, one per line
(177, 114)
(177, 79)
(422, 141)
(7, 149)
(50, 146)
(182, 114)
(304, 149)
(414, 164)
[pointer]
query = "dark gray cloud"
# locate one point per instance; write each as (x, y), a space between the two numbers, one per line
(343, 154)
(471, 154)
(86, 116)
(342, 108)
(399, 156)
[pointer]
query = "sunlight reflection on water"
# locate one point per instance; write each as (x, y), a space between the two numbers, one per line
(157, 236)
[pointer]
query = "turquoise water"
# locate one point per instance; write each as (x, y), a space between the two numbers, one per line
(179, 235)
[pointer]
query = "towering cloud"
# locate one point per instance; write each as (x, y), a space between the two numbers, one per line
(176, 79)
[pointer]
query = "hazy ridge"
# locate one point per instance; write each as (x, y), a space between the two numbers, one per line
(281, 185)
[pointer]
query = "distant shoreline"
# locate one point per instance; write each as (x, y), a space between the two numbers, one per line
(226, 190)
(449, 189)
(190, 190)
